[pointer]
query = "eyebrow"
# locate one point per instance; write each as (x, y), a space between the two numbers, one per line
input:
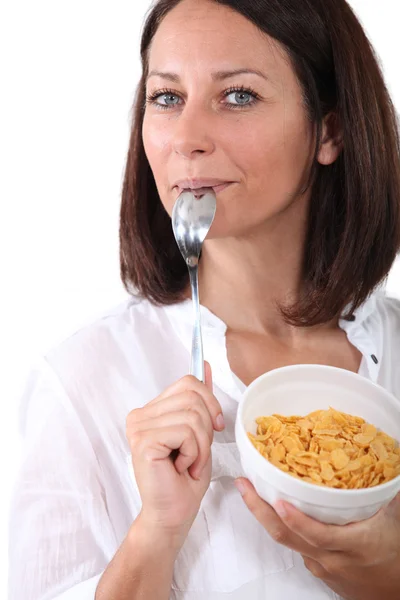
(215, 76)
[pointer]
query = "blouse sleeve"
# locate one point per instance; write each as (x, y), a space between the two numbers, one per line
(60, 535)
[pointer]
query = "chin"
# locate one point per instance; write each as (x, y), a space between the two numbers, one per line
(221, 229)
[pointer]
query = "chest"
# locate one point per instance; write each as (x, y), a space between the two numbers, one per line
(251, 355)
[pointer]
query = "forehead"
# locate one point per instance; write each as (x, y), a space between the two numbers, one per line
(197, 33)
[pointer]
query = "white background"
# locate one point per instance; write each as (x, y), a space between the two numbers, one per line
(68, 75)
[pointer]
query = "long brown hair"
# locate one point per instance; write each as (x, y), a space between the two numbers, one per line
(354, 219)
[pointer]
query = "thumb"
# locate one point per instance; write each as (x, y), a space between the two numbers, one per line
(208, 375)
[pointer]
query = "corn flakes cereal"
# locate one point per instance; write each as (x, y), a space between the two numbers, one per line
(328, 448)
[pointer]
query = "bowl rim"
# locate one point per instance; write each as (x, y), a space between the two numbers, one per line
(265, 463)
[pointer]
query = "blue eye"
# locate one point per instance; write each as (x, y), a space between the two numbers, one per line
(166, 99)
(167, 96)
(242, 98)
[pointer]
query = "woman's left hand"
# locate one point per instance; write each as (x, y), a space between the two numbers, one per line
(359, 561)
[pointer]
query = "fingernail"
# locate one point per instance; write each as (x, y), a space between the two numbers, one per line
(280, 508)
(240, 486)
(220, 421)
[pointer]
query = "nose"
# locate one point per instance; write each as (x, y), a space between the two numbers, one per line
(193, 133)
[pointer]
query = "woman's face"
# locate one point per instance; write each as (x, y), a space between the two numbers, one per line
(200, 127)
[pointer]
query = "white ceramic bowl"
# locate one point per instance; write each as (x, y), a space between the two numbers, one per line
(299, 390)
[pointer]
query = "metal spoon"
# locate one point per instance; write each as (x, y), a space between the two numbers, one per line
(192, 216)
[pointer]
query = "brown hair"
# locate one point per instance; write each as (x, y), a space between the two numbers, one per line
(354, 220)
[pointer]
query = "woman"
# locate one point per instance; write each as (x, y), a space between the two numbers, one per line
(285, 102)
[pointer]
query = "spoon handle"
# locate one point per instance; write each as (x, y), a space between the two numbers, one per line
(197, 360)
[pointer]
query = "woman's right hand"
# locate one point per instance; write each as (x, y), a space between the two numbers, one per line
(170, 440)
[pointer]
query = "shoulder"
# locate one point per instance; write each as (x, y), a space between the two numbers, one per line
(112, 332)
(386, 312)
(382, 328)
(118, 358)
(379, 321)
(82, 358)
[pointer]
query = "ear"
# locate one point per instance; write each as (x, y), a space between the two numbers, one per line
(331, 140)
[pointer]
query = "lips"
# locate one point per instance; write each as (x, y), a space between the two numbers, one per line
(203, 190)
(200, 186)
(199, 192)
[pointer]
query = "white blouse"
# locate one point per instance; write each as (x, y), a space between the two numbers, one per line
(76, 496)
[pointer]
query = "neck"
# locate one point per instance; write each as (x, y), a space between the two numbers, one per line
(243, 288)
(244, 280)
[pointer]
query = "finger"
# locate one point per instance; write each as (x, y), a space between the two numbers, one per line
(187, 401)
(208, 375)
(172, 419)
(189, 453)
(316, 568)
(270, 520)
(342, 547)
(376, 538)
(156, 445)
(190, 383)
(344, 538)
(392, 509)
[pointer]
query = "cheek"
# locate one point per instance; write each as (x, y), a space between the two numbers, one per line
(156, 144)
(273, 159)
(251, 141)
(155, 141)
(279, 155)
